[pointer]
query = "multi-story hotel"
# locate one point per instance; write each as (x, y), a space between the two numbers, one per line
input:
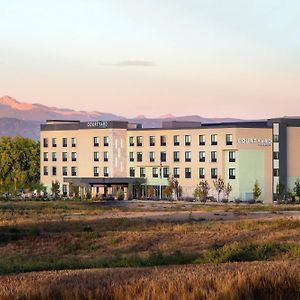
(104, 156)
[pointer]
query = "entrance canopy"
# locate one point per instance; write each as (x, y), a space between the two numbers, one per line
(108, 186)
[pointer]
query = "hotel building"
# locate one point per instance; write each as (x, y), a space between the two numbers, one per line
(101, 157)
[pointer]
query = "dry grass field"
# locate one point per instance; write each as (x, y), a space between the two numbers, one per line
(203, 258)
(257, 280)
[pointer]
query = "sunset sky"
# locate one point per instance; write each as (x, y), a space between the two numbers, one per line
(214, 58)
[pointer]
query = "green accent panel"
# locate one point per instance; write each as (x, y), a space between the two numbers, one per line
(157, 181)
(251, 168)
(233, 182)
(154, 181)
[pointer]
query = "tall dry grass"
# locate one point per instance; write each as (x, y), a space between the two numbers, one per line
(256, 280)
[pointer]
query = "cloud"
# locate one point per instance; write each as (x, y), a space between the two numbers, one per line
(131, 63)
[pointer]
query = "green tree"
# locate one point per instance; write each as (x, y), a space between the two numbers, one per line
(120, 194)
(280, 191)
(202, 190)
(138, 189)
(55, 188)
(256, 190)
(19, 163)
(297, 188)
(73, 190)
(219, 185)
(197, 193)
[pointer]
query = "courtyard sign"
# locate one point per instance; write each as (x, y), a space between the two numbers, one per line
(98, 124)
(258, 141)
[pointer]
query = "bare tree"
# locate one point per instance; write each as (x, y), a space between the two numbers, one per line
(227, 190)
(219, 185)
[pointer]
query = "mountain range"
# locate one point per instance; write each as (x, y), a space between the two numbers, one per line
(24, 119)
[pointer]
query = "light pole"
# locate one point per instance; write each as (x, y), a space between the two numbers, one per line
(160, 178)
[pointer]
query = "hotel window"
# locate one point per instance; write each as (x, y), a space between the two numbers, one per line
(65, 156)
(232, 156)
(65, 171)
(74, 156)
(139, 156)
(276, 138)
(151, 156)
(163, 156)
(106, 141)
(46, 172)
(65, 142)
(45, 143)
(187, 156)
(176, 140)
(139, 141)
(176, 156)
(74, 142)
(64, 189)
(201, 173)
(188, 172)
(155, 172)
(131, 141)
(74, 171)
(105, 171)
(228, 139)
(142, 172)
(96, 141)
(54, 171)
(152, 141)
(202, 156)
(275, 155)
(187, 140)
(54, 156)
(214, 140)
(213, 156)
(166, 172)
(176, 173)
(276, 172)
(96, 156)
(202, 140)
(214, 173)
(131, 156)
(105, 156)
(132, 172)
(46, 156)
(163, 140)
(232, 173)
(96, 171)
(54, 142)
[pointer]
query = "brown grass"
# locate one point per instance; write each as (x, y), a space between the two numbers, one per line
(257, 280)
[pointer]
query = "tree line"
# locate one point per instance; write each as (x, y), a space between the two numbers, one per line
(19, 164)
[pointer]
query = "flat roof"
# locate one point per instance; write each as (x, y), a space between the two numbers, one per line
(57, 125)
(61, 125)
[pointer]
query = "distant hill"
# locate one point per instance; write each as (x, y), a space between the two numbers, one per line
(19, 118)
(11, 108)
(14, 127)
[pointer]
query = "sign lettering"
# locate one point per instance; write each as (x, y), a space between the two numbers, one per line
(258, 141)
(98, 124)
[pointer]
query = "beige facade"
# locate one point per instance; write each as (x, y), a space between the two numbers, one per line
(240, 155)
(216, 156)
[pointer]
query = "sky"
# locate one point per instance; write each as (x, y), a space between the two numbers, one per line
(213, 58)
